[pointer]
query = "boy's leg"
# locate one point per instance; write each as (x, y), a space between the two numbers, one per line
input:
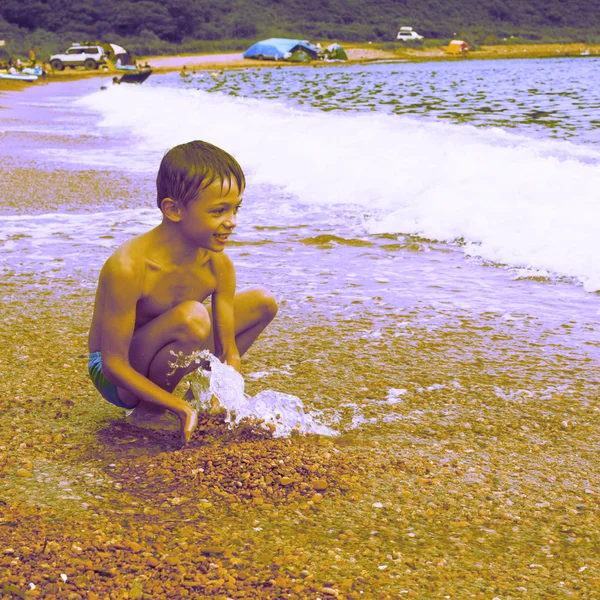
(183, 328)
(253, 308)
(187, 327)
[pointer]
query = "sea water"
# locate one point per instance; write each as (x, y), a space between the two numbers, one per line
(500, 158)
(438, 190)
(215, 385)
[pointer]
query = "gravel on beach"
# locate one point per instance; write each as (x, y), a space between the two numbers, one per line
(501, 501)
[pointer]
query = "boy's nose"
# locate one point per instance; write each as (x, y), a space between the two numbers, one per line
(231, 221)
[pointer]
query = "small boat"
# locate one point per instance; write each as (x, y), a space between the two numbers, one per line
(33, 71)
(138, 76)
(18, 77)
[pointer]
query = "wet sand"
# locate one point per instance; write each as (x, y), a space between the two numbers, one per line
(480, 481)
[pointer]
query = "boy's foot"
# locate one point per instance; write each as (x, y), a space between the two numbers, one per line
(189, 422)
(145, 413)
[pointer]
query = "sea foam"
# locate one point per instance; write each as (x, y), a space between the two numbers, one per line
(527, 203)
(282, 414)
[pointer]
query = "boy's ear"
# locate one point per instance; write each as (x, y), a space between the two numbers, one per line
(171, 209)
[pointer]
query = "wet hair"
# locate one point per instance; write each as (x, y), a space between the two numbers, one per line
(187, 169)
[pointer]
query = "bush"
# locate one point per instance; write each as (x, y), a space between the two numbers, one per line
(416, 44)
(435, 43)
(355, 32)
(148, 47)
(591, 38)
(19, 41)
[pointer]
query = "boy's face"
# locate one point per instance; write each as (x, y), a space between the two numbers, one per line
(208, 221)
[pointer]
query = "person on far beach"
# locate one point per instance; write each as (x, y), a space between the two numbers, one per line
(150, 298)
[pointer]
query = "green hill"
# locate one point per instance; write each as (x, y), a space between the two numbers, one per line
(157, 25)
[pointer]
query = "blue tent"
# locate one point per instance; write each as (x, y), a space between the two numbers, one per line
(278, 48)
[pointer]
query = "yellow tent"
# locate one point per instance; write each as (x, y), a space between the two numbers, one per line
(457, 47)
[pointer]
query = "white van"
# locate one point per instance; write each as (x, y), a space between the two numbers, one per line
(408, 33)
(79, 55)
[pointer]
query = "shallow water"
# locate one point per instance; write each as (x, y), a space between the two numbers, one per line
(332, 237)
(216, 386)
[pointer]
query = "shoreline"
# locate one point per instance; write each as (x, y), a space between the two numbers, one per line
(364, 54)
(357, 54)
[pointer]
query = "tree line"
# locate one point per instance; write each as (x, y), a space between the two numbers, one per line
(176, 22)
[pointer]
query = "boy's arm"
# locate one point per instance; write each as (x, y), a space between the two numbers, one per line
(223, 315)
(122, 289)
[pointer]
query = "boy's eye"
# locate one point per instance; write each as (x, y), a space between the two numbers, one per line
(223, 209)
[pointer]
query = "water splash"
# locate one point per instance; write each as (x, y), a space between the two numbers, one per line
(282, 414)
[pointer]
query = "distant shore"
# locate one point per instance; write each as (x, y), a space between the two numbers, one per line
(357, 54)
(371, 53)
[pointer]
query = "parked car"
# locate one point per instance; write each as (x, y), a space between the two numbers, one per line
(408, 33)
(79, 55)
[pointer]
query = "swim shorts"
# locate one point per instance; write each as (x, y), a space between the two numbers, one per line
(103, 385)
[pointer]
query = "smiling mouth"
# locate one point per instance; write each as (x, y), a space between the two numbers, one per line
(222, 236)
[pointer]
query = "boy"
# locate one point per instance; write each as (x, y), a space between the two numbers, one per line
(150, 291)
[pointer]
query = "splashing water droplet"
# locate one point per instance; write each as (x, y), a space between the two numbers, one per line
(278, 412)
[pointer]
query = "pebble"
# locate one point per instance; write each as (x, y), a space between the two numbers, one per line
(212, 550)
(135, 593)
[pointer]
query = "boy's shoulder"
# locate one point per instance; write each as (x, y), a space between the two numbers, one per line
(135, 256)
(128, 258)
(220, 262)
(223, 270)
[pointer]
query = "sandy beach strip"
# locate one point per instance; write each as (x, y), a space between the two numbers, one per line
(464, 493)
(357, 54)
(365, 54)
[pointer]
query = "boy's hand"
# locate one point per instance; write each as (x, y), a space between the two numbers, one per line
(232, 359)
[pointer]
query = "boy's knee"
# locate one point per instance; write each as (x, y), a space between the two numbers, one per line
(194, 322)
(267, 302)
